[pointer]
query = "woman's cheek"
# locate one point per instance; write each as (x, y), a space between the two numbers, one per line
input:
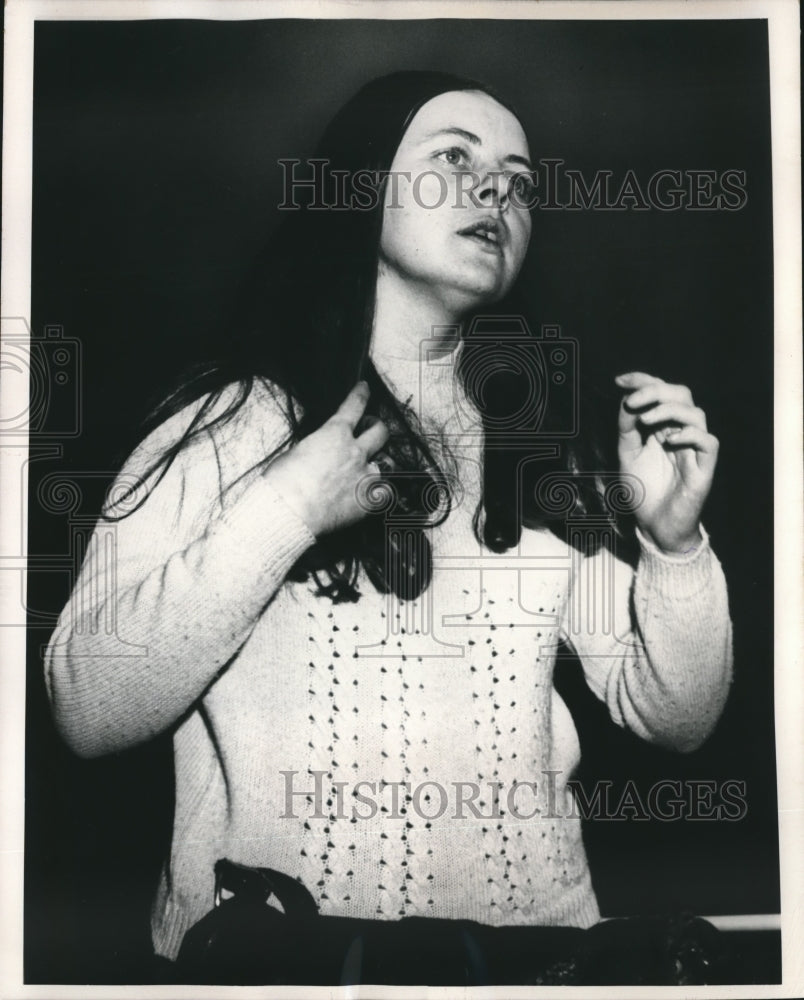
(431, 190)
(522, 239)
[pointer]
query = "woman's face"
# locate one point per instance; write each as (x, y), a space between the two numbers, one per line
(454, 221)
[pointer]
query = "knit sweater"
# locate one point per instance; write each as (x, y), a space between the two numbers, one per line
(399, 758)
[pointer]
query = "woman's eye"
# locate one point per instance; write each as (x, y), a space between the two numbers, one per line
(521, 187)
(454, 156)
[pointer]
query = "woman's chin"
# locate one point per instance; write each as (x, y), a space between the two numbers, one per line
(480, 294)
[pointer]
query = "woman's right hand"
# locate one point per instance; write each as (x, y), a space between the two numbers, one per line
(318, 477)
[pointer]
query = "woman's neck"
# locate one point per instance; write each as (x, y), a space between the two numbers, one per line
(410, 322)
(416, 346)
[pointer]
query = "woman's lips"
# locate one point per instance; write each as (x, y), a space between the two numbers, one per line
(486, 244)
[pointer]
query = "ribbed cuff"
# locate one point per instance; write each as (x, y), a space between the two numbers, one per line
(679, 577)
(168, 927)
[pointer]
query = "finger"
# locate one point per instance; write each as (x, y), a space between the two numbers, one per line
(374, 438)
(635, 380)
(627, 424)
(658, 392)
(384, 463)
(351, 409)
(631, 382)
(705, 445)
(680, 413)
(366, 421)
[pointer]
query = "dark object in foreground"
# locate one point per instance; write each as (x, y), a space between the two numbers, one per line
(247, 940)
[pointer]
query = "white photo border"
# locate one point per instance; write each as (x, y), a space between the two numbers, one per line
(783, 26)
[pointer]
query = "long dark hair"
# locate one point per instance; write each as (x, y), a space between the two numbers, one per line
(305, 325)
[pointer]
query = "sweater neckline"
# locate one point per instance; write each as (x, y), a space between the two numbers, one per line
(430, 386)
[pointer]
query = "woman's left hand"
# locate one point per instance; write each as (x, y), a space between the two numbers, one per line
(665, 444)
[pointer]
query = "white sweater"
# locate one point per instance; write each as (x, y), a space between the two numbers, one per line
(182, 618)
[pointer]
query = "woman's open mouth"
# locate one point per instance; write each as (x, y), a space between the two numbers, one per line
(488, 234)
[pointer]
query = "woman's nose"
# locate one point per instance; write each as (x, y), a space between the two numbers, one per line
(493, 189)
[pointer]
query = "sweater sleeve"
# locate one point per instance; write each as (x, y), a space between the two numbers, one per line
(655, 643)
(169, 593)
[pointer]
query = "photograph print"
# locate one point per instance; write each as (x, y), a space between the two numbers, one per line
(400, 588)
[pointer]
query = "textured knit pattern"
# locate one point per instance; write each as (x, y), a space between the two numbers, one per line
(272, 690)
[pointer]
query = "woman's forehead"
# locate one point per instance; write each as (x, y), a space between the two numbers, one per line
(469, 111)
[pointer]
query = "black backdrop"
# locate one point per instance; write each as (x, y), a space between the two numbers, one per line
(156, 181)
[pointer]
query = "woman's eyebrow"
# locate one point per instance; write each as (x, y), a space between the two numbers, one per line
(475, 141)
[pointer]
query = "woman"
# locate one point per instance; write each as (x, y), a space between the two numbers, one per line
(334, 652)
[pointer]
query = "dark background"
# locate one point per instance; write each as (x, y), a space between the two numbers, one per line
(156, 182)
